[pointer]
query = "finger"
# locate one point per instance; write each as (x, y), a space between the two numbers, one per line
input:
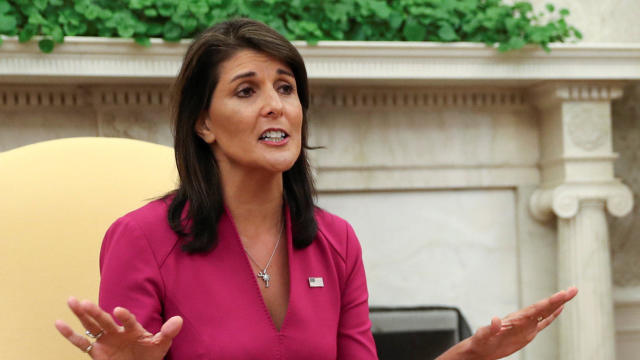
(169, 330)
(544, 308)
(486, 332)
(546, 322)
(128, 320)
(507, 323)
(79, 341)
(571, 292)
(87, 322)
(104, 320)
(496, 325)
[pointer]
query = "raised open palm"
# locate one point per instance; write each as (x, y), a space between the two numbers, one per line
(115, 342)
(505, 336)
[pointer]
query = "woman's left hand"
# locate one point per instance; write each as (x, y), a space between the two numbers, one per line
(505, 336)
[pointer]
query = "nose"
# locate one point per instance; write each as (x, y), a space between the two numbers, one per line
(272, 106)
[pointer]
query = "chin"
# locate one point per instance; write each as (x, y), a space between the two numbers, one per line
(281, 162)
(286, 167)
(282, 165)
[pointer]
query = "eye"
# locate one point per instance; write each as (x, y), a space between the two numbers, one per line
(245, 92)
(286, 89)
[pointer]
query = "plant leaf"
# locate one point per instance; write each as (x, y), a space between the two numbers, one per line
(143, 40)
(380, 8)
(40, 4)
(395, 20)
(27, 33)
(4, 7)
(413, 30)
(150, 12)
(46, 45)
(8, 23)
(171, 31)
(516, 43)
(57, 34)
(447, 33)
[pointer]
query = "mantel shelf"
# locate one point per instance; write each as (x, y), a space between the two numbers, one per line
(100, 60)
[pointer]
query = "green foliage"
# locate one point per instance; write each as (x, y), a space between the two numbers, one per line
(488, 21)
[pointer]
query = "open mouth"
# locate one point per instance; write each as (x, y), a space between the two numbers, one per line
(273, 135)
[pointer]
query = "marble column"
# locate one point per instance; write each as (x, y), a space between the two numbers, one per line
(578, 187)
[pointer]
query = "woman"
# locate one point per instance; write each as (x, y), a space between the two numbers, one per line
(238, 262)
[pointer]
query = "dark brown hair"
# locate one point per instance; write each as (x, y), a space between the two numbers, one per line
(200, 185)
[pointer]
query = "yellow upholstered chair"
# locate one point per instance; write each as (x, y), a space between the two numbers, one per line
(57, 198)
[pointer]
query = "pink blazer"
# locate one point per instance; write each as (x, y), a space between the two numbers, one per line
(143, 269)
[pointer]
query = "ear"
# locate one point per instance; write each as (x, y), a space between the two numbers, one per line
(203, 128)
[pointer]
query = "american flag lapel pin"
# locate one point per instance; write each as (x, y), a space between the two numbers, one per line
(316, 282)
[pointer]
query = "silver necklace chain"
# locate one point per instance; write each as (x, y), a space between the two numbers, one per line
(266, 277)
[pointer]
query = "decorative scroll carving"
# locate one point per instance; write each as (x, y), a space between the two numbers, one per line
(565, 204)
(564, 200)
(620, 201)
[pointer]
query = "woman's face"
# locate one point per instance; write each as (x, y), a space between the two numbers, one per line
(255, 118)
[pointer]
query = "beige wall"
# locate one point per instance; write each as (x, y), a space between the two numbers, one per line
(625, 238)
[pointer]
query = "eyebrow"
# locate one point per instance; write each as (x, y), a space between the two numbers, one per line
(285, 72)
(253, 73)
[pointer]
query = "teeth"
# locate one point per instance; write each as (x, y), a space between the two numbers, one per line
(273, 135)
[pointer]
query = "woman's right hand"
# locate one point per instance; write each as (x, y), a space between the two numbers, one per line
(115, 342)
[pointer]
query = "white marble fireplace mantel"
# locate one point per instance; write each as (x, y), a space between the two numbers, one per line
(473, 178)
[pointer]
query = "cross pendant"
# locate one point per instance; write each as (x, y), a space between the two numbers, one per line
(265, 277)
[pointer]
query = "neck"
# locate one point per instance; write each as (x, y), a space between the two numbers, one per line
(255, 202)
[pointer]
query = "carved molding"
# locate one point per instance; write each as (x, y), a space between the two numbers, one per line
(565, 200)
(120, 96)
(589, 92)
(389, 97)
(545, 163)
(553, 93)
(424, 177)
(94, 60)
(36, 97)
(18, 96)
(70, 96)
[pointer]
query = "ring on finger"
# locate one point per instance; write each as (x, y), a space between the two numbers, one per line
(540, 318)
(96, 336)
(89, 348)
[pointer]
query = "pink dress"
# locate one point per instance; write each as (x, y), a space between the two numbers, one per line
(144, 270)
